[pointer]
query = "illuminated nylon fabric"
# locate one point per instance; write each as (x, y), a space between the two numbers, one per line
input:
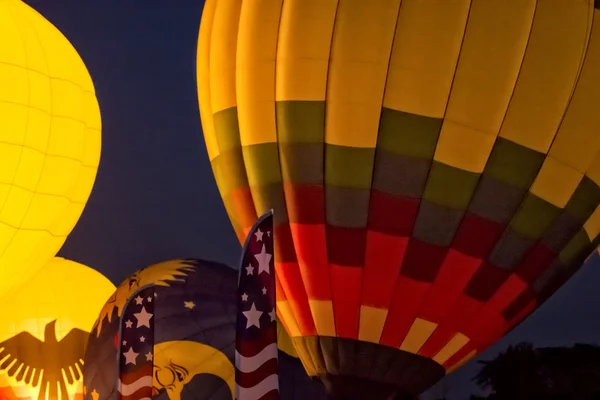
(49, 141)
(61, 300)
(433, 167)
(194, 314)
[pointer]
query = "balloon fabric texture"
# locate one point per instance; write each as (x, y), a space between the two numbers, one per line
(44, 330)
(194, 316)
(49, 141)
(433, 167)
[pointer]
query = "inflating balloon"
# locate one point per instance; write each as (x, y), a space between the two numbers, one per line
(49, 141)
(44, 326)
(433, 167)
(194, 311)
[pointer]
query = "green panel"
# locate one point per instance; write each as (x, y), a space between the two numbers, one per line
(262, 164)
(449, 186)
(407, 134)
(230, 171)
(585, 200)
(350, 167)
(270, 197)
(574, 249)
(534, 217)
(227, 129)
(300, 121)
(513, 164)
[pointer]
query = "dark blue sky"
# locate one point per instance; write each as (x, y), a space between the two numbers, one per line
(155, 198)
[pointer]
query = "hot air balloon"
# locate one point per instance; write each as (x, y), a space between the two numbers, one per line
(432, 165)
(44, 326)
(49, 141)
(193, 327)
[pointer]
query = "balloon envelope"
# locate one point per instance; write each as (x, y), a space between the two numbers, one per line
(49, 141)
(433, 167)
(194, 335)
(44, 326)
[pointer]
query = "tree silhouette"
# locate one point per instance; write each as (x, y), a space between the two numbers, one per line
(552, 373)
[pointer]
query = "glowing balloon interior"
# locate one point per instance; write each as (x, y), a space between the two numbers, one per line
(44, 330)
(434, 168)
(49, 141)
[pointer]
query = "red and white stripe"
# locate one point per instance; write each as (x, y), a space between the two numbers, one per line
(256, 377)
(136, 385)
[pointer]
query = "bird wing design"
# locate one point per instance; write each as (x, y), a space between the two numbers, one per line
(26, 350)
(71, 350)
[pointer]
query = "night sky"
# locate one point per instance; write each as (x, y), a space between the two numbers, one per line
(155, 197)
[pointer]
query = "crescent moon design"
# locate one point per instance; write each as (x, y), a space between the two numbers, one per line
(178, 361)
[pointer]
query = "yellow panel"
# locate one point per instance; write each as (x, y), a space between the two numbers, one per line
(284, 308)
(223, 47)
(362, 42)
(50, 116)
(203, 78)
(463, 147)
(255, 78)
(371, 325)
(418, 334)
(489, 63)
(557, 44)
(457, 342)
(556, 182)
(462, 362)
(428, 38)
(578, 141)
(322, 312)
(592, 225)
(303, 48)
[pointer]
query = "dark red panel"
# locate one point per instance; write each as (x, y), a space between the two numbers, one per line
(346, 295)
(392, 215)
(486, 281)
(519, 304)
(305, 203)
(477, 236)
(284, 244)
(346, 246)
(535, 262)
(383, 260)
(311, 251)
(422, 260)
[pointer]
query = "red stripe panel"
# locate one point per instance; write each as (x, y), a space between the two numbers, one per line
(141, 393)
(291, 282)
(408, 295)
(129, 378)
(454, 275)
(458, 357)
(311, 251)
(346, 285)
(459, 314)
(252, 348)
(384, 256)
(508, 292)
(250, 379)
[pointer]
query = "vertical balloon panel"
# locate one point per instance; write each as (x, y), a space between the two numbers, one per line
(50, 139)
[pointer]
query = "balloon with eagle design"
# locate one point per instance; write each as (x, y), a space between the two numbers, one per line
(433, 166)
(193, 327)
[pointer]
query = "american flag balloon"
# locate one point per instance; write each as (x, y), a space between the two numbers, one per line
(136, 347)
(256, 361)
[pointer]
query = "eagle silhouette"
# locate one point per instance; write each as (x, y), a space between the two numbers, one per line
(48, 358)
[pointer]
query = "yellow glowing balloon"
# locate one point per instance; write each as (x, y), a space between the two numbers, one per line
(49, 141)
(44, 326)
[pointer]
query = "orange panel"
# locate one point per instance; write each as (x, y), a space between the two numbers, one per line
(309, 241)
(346, 285)
(292, 285)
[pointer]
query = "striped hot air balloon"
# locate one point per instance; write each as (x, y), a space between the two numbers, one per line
(433, 168)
